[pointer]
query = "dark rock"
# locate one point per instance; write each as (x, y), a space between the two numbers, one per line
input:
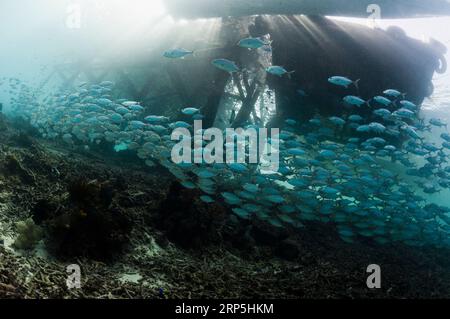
(288, 249)
(43, 210)
(267, 234)
(87, 223)
(187, 221)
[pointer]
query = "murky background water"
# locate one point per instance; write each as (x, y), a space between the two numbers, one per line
(36, 36)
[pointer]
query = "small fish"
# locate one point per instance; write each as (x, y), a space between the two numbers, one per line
(382, 112)
(177, 53)
(252, 43)
(446, 145)
(337, 120)
(136, 108)
(445, 137)
(363, 129)
(296, 152)
(390, 148)
(430, 147)
(252, 188)
(107, 85)
(355, 118)
(137, 125)
(276, 199)
(411, 132)
(382, 100)
(354, 100)
(198, 116)
(129, 103)
(328, 154)
(116, 118)
(290, 122)
(238, 167)
(437, 122)
(179, 124)
(404, 113)
(225, 65)
(343, 81)
(122, 110)
(206, 199)
(393, 93)
(278, 71)
(408, 105)
(155, 119)
(302, 93)
(190, 111)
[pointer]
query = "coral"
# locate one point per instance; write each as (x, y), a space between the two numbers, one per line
(13, 167)
(29, 234)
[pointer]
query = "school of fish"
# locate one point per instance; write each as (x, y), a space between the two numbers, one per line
(367, 175)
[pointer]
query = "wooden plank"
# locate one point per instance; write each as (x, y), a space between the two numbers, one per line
(347, 8)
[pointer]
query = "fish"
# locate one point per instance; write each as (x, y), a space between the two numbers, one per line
(438, 123)
(343, 81)
(302, 93)
(253, 43)
(355, 118)
(363, 128)
(296, 152)
(377, 127)
(179, 124)
(190, 111)
(350, 180)
(122, 110)
(290, 122)
(393, 93)
(382, 112)
(411, 132)
(337, 120)
(408, 105)
(129, 103)
(382, 100)
(279, 71)
(178, 53)
(445, 136)
(136, 108)
(156, 119)
(225, 65)
(354, 100)
(404, 113)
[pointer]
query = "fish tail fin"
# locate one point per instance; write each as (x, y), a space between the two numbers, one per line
(289, 74)
(356, 84)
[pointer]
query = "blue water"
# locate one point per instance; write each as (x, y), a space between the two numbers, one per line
(30, 58)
